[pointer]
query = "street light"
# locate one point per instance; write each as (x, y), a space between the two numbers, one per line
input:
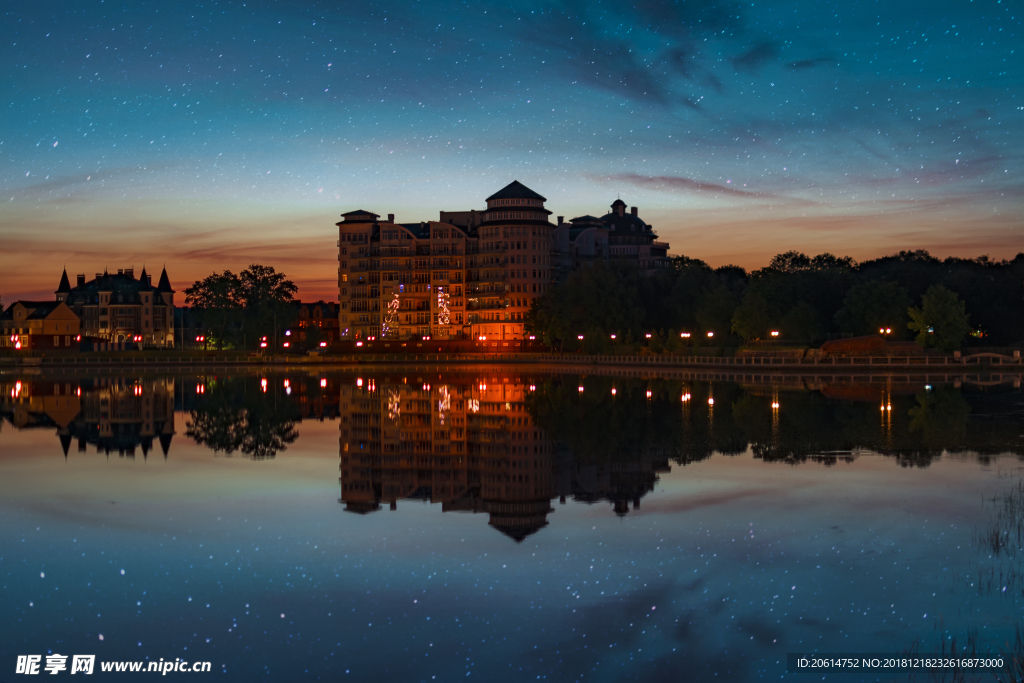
(580, 337)
(775, 333)
(711, 334)
(684, 335)
(648, 335)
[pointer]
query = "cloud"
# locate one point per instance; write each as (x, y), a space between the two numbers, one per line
(683, 184)
(754, 58)
(90, 181)
(593, 53)
(811, 63)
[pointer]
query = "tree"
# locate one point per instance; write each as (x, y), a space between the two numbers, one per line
(265, 296)
(802, 322)
(873, 305)
(597, 299)
(942, 320)
(752, 319)
(215, 301)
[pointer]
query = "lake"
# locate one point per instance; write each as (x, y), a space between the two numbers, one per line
(503, 524)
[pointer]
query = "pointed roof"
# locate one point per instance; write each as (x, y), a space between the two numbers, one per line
(64, 287)
(165, 283)
(516, 190)
(145, 284)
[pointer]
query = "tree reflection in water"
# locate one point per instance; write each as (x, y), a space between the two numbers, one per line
(240, 414)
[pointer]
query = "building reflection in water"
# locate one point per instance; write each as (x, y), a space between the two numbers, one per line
(114, 415)
(470, 445)
(473, 444)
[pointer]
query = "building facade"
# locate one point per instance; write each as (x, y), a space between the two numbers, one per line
(118, 307)
(39, 325)
(316, 323)
(472, 274)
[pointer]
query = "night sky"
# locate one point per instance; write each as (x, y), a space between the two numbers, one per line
(207, 136)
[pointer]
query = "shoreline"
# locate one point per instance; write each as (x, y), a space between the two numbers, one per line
(976, 370)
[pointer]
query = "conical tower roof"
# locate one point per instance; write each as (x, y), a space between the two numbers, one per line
(64, 287)
(165, 282)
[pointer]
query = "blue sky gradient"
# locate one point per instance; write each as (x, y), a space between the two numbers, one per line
(211, 135)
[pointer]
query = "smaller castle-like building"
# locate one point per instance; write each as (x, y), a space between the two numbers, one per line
(119, 307)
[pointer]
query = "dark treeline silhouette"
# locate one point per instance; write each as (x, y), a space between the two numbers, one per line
(913, 425)
(940, 303)
(239, 310)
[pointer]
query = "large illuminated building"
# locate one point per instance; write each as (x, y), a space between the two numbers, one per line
(473, 274)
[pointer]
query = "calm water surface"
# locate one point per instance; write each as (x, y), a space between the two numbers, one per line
(494, 525)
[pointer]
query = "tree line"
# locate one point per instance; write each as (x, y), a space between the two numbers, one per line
(237, 311)
(940, 303)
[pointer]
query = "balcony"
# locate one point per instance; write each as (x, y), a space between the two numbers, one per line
(485, 306)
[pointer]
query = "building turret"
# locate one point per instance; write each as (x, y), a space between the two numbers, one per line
(64, 287)
(164, 284)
